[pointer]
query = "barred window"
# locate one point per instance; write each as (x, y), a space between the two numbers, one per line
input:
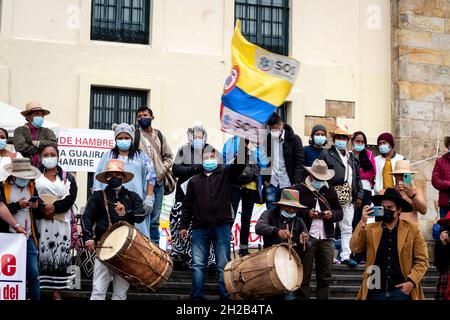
(265, 23)
(120, 20)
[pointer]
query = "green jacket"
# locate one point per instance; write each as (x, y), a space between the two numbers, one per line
(22, 140)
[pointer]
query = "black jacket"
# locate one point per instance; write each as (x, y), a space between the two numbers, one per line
(441, 256)
(187, 163)
(271, 221)
(333, 160)
(308, 198)
(208, 198)
(293, 156)
(95, 212)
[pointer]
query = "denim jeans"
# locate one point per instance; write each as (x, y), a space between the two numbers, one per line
(273, 194)
(394, 294)
(443, 211)
(201, 239)
(158, 191)
(33, 270)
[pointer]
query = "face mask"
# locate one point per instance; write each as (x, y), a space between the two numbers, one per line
(320, 140)
(210, 164)
(275, 133)
(287, 215)
(198, 143)
(359, 147)
(388, 216)
(21, 183)
(38, 122)
(384, 148)
(144, 123)
(317, 184)
(340, 145)
(2, 144)
(115, 183)
(123, 145)
(50, 162)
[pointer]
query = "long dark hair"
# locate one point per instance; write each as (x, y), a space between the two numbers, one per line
(364, 161)
(134, 150)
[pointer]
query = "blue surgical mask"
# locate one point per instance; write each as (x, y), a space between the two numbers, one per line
(340, 144)
(144, 123)
(317, 184)
(123, 145)
(38, 122)
(21, 183)
(210, 164)
(359, 147)
(198, 143)
(320, 140)
(2, 144)
(384, 149)
(287, 215)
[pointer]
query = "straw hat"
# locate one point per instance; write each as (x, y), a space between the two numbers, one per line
(290, 198)
(319, 170)
(402, 166)
(341, 132)
(22, 168)
(114, 165)
(34, 106)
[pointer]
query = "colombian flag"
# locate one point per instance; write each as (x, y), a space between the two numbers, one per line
(259, 82)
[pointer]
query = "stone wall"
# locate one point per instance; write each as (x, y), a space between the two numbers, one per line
(421, 87)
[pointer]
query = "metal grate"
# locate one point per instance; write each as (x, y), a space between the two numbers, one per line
(120, 20)
(265, 23)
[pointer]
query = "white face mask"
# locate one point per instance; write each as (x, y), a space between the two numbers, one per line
(50, 162)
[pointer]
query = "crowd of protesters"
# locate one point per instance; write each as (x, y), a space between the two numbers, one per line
(324, 191)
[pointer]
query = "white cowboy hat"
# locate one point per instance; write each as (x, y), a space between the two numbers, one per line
(22, 168)
(319, 170)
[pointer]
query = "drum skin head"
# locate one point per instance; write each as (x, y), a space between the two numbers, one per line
(116, 239)
(286, 269)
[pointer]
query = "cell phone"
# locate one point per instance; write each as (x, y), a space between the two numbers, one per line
(407, 178)
(33, 199)
(378, 211)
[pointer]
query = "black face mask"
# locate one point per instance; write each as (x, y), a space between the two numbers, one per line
(144, 123)
(388, 216)
(115, 182)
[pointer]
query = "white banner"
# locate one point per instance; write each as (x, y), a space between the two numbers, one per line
(13, 266)
(80, 150)
(254, 240)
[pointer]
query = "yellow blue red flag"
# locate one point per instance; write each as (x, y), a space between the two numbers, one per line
(259, 82)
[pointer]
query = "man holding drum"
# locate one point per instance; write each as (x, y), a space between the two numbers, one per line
(104, 208)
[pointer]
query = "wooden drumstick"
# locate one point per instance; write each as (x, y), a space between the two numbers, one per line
(102, 247)
(289, 243)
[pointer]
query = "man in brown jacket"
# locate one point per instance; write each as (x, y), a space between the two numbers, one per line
(31, 137)
(396, 252)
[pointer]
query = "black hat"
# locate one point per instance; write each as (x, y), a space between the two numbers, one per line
(394, 195)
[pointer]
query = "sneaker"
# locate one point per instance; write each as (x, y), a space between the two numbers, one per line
(362, 262)
(243, 252)
(350, 262)
(336, 261)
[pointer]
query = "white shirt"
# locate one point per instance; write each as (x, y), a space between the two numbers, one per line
(348, 168)
(317, 229)
(279, 177)
(23, 214)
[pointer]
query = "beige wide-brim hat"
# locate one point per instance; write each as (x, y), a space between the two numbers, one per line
(319, 170)
(290, 198)
(114, 165)
(341, 132)
(34, 106)
(403, 166)
(22, 168)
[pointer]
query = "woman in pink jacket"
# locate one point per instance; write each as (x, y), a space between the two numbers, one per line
(367, 171)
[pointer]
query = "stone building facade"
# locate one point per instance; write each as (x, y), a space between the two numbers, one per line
(421, 87)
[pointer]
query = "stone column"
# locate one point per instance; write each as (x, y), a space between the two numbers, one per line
(421, 87)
